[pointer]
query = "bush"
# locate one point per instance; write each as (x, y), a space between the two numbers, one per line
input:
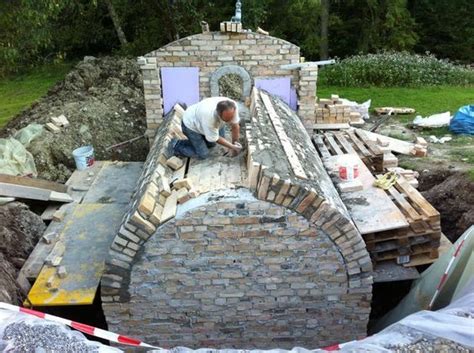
(395, 69)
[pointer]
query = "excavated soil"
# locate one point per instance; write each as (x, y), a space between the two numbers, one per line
(20, 230)
(103, 100)
(452, 194)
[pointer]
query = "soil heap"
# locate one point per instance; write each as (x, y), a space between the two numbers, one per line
(103, 100)
(20, 230)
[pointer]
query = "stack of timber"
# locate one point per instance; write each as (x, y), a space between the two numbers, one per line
(412, 243)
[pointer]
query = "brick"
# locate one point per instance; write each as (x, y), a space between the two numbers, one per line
(174, 163)
(147, 204)
(182, 183)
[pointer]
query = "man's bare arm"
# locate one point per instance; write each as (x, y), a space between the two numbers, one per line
(235, 128)
(222, 141)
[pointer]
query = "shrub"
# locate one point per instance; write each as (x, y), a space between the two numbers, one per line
(395, 69)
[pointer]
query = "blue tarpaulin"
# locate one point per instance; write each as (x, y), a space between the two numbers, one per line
(463, 121)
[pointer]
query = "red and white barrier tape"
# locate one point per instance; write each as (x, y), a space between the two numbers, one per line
(90, 330)
(444, 277)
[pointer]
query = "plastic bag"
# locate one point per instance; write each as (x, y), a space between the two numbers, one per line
(25, 333)
(28, 134)
(362, 108)
(15, 159)
(436, 120)
(463, 121)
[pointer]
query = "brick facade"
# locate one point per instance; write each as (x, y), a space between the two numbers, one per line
(259, 55)
(240, 273)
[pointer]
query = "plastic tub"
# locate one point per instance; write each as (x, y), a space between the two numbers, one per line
(84, 157)
(348, 168)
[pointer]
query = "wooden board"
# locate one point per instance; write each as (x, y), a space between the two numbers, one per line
(86, 236)
(32, 193)
(371, 208)
(394, 145)
(36, 183)
(331, 126)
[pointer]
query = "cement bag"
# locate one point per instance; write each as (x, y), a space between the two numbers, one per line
(362, 108)
(28, 134)
(463, 121)
(24, 333)
(15, 159)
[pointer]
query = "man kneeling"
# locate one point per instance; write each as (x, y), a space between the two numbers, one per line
(203, 124)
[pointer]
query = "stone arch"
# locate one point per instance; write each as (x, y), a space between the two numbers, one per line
(198, 276)
(230, 69)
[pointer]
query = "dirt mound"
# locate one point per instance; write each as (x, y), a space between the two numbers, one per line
(103, 100)
(452, 194)
(20, 230)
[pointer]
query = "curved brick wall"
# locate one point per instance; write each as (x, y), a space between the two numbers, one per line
(243, 273)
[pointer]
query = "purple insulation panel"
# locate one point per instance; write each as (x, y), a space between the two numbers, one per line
(278, 86)
(293, 99)
(180, 85)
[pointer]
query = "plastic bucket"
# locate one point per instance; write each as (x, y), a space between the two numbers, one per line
(348, 169)
(84, 157)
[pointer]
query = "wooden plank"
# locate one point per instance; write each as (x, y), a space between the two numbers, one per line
(320, 146)
(343, 141)
(371, 208)
(283, 137)
(365, 152)
(418, 199)
(332, 144)
(409, 210)
(371, 144)
(36, 183)
(32, 193)
(394, 145)
(331, 126)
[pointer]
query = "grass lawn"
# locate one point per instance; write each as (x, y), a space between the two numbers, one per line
(17, 93)
(426, 100)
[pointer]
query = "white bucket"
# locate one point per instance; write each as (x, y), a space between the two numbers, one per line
(84, 157)
(348, 168)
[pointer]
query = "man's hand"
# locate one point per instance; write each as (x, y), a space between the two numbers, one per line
(235, 150)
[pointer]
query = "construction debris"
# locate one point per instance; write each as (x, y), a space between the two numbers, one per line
(394, 111)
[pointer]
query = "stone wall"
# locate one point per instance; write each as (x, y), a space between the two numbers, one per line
(258, 55)
(234, 271)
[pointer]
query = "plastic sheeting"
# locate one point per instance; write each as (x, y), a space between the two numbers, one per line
(15, 159)
(24, 333)
(362, 108)
(436, 120)
(28, 134)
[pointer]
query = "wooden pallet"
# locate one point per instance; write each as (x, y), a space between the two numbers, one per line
(420, 214)
(351, 141)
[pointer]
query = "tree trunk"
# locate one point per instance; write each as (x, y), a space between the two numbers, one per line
(324, 41)
(116, 21)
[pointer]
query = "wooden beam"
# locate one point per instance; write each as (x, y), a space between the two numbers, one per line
(36, 183)
(31, 193)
